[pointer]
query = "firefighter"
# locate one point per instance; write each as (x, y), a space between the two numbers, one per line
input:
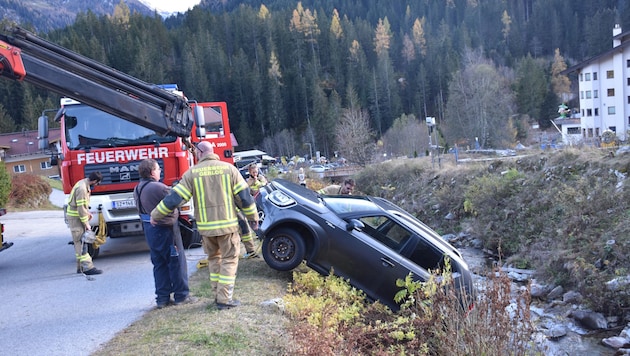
(78, 216)
(345, 189)
(255, 180)
(217, 189)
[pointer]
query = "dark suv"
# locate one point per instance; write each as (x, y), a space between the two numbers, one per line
(367, 240)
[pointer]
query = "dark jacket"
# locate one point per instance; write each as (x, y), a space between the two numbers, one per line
(151, 193)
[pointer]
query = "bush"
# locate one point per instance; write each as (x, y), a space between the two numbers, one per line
(5, 185)
(329, 317)
(29, 191)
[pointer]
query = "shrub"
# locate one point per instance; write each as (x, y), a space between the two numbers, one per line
(29, 191)
(5, 185)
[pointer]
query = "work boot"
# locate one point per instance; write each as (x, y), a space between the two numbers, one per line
(229, 305)
(92, 271)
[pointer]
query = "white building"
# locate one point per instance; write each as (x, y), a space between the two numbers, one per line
(604, 90)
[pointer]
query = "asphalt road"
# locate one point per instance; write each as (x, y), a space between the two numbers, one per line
(46, 308)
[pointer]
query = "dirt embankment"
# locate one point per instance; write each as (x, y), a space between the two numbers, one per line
(564, 213)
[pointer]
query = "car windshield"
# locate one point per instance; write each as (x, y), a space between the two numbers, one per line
(347, 204)
(87, 127)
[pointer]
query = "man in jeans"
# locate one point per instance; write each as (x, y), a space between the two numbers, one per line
(217, 190)
(170, 271)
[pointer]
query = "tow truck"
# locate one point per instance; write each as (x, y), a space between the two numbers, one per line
(110, 122)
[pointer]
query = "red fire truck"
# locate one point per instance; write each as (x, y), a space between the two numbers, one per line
(110, 122)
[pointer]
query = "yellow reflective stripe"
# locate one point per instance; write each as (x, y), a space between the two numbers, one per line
(228, 198)
(248, 237)
(226, 279)
(84, 218)
(250, 210)
(72, 212)
(85, 257)
(217, 224)
(162, 209)
(182, 192)
(214, 277)
(200, 204)
(240, 186)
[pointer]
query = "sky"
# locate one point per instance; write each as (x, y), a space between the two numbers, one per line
(171, 5)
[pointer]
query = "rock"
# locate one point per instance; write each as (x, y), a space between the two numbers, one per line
(572, 297)
(276, 304)
(555, 293)
(556, 332)
(616, 342)
(537, 290)
(590, 319)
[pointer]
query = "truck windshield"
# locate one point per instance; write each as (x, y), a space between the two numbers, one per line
(87, 127)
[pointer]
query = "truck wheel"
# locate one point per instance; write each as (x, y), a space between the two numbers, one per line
(93, 251)
(190, 236)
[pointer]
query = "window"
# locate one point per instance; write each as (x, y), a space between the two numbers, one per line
(588, 94)
(627, 63)
(573, 130)
(628, 81)
(589, 112)
(613, 128)
(386, 231)
(581, 77)
(595, 94)
(594, 75)
(581, 95)
(610, 74)
(596, 111)
(611, 110)
(20, 168)
(45, 165)
(587, 77)
(611, 91)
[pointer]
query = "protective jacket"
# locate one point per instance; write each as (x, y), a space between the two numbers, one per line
(79, 201)
(256, 183)
(216, 188)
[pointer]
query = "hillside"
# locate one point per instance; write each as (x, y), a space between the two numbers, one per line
(563, 213)
(45, 15)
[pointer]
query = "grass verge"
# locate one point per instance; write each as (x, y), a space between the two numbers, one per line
(201, 329)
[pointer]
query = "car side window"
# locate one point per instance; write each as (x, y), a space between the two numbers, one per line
(386, 231)
(426, 256)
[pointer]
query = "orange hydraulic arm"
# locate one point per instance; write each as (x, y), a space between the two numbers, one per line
(26, 57)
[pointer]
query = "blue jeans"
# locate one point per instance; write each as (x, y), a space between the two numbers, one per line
(170, 270)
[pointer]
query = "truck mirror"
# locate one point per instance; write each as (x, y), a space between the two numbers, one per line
(200, 119)
(201, 132)
(54, 160)
(42, 132)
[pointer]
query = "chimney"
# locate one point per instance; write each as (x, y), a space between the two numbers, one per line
(616, 32)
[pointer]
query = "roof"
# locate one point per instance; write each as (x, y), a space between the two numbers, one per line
(25, 142)
(623, 37)
(248, 154)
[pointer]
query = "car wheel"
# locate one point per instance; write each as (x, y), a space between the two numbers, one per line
(284, 249)
(190, 236)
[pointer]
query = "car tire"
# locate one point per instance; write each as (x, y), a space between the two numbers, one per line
(190, 236)
(284, 249)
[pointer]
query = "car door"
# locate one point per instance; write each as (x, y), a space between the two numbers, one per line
(370, 257)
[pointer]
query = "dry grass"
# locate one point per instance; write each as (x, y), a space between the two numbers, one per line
(202, 329)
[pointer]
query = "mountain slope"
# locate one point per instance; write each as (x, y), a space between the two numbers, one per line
(45, 15)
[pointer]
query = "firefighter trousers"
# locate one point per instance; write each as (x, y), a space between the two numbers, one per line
(223, 252)
(84, 260)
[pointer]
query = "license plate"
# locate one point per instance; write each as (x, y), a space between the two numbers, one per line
(124, 204)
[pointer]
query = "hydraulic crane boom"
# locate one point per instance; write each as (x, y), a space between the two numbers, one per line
(26, 57)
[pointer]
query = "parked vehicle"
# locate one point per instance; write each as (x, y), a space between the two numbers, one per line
(318, 168)
(3, 244)
(367, 240)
